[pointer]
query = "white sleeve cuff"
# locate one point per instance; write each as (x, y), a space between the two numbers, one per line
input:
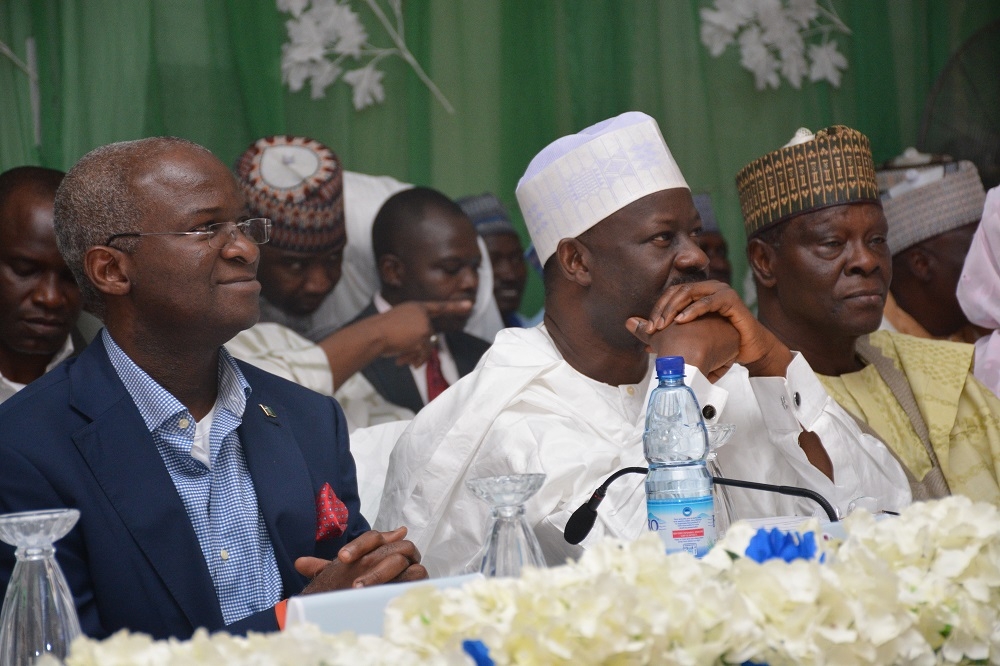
(793, 402)
(711, 398)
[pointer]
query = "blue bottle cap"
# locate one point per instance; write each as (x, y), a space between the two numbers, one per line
(670, 366)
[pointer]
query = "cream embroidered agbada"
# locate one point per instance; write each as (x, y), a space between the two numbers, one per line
(962, 415)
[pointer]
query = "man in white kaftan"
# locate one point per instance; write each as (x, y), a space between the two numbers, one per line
(534, 413)
(555, 399)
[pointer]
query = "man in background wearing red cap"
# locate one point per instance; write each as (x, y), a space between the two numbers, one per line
(297, 182)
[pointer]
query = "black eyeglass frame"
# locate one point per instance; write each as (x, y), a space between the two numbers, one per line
(213, 231)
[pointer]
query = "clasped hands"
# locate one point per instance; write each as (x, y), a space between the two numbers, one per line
(708, 324)
(371, 559)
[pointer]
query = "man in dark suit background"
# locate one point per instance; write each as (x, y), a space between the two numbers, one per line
(39, 299)
(426, 250)
(209, 491)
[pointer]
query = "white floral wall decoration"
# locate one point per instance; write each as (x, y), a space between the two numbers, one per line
(325, 37)
(793, 39)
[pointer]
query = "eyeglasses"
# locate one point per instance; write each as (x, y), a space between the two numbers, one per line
(257, 230)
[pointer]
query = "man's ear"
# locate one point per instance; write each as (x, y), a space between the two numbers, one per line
(107, 269)
(391, 270)
(762, 258)
(921, 264)
(574, 261)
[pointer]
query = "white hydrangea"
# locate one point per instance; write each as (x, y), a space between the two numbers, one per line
(301, 645)
(921, 589)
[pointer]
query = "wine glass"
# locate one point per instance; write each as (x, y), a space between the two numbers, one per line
(864, 503)
(510, 542)
(38, 613)
(725, 514)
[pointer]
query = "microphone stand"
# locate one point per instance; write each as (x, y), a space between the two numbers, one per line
(794, 491)
(582, 521)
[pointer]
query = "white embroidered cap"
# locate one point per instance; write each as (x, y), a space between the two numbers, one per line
(580, 179)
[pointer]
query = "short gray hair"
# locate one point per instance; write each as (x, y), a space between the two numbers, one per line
(97, 200)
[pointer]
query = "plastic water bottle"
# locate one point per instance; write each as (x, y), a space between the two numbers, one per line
(678, 486)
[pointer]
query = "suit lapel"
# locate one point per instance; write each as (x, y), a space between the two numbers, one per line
(465, 356)
(395, 383)
(459, 351)
(123, 458)
(282, 483)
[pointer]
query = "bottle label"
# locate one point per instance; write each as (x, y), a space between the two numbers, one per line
(686, 524)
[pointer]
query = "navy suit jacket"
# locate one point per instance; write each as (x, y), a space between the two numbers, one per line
(75, 438)
(395, 382)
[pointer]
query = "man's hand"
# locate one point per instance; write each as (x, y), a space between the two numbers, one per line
(371, 559)
(759, 350)
(406, 329)
(710, 343)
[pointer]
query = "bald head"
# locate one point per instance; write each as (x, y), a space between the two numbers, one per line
(102, 196)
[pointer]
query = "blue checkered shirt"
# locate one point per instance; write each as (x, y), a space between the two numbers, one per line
(220, 501)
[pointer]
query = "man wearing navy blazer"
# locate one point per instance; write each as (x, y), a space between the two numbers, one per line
(209, 491)
(426, 250)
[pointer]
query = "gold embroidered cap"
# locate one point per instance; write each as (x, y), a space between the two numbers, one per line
(813, 171)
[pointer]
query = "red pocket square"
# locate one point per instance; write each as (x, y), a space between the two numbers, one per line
(331, 514)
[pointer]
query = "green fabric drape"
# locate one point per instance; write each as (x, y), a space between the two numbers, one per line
(519, 72)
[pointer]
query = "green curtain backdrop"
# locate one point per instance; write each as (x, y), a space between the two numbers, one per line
(520, 73)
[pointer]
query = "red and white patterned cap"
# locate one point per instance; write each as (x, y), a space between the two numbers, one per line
(297, 182)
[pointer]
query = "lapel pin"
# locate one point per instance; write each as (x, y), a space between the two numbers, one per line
(268, 412)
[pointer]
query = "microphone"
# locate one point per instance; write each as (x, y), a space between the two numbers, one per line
(582, 521)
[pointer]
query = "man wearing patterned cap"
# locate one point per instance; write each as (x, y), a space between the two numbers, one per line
(362, 196)
(297, 183)
(932, 215)
(510, 272)
(613, 221)
(819, 247)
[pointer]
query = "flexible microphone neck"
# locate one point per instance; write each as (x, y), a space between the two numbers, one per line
(582, 521)
(793, 491)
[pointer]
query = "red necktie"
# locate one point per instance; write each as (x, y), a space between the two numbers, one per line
(436, 383)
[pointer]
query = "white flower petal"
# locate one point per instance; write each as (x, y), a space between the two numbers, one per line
(293, 7)
(367, 83)
(827, 62)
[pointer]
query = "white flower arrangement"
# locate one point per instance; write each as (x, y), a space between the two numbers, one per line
(920, 589)
(324, 34)
(773, 36)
